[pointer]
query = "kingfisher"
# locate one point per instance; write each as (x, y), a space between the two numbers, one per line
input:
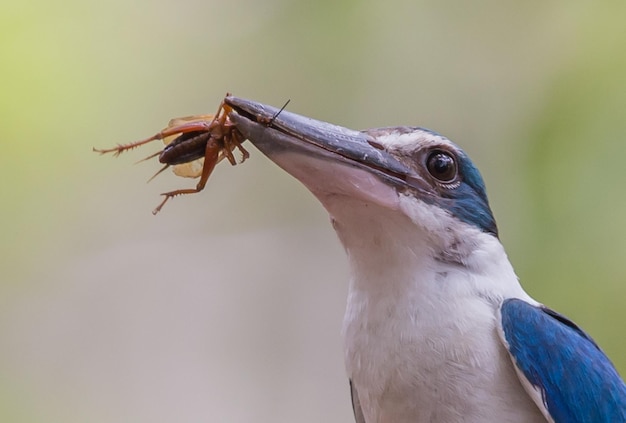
(437, 326)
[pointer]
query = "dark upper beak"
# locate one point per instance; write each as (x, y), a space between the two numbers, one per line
(273, 131)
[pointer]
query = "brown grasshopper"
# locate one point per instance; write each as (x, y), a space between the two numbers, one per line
(208, 137)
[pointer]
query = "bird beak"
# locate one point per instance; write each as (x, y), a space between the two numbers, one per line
(274, 132)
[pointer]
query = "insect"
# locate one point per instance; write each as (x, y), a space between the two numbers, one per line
(199, 144)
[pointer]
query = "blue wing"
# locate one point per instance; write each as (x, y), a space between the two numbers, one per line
(561, 367)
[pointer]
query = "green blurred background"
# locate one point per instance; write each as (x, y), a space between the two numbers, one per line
(227, 306)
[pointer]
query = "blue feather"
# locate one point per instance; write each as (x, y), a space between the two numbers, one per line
(468, 202)
(577, 381)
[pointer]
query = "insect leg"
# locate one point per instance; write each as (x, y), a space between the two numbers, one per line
(178, 129)
(238, 139)
(210, 160)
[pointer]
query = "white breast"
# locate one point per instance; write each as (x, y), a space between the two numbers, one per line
(420, 332)
(424, 362)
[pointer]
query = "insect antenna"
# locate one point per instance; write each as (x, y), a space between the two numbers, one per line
(273, 118)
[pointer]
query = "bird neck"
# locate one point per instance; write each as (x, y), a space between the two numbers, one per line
(419, 250)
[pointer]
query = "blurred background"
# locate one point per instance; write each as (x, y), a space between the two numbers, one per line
(227, 306)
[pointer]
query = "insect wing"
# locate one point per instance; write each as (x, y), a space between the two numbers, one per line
(191, 169)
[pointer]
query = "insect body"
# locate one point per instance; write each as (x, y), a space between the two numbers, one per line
(199, 144)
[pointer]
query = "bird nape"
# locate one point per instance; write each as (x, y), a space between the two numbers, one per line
(437, 327)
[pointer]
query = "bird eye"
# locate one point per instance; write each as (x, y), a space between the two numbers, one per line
(441, 166)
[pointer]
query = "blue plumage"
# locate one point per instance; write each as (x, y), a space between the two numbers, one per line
(468, 202)
(577, 381)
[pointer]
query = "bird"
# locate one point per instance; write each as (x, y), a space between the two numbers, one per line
(437, 327)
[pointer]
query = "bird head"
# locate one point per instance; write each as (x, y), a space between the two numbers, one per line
(408, 178)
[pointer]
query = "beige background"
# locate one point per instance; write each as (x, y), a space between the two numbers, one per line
(227, 306)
